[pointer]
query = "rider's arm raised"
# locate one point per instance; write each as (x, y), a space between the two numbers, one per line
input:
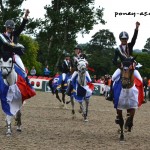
(132, 43)
(22, 26)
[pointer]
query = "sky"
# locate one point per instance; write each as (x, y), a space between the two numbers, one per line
(115, 14)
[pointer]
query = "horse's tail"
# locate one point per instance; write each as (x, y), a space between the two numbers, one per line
(50, 83)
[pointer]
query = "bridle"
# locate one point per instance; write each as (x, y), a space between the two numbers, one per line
(127, 67)
(82, 70)
(8, 69)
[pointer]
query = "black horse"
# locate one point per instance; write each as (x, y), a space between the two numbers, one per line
(57, 89)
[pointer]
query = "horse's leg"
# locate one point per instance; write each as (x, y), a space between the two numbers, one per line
(63, 99)
(8, 125)
(129, 120)
(119, 120)
(72, 104)
(86, 109)
(57, 95)
(18, 120)
(83, 110)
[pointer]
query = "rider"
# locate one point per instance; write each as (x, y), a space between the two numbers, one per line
(78, 55)
(125, 50)
(11, 35)
(66, 68)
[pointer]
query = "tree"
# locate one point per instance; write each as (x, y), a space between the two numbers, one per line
(104, 39)
(11, 9)
(7, 7)
(63, 20)
(101, 50)
(147, 45)
(30, 56)
(143, 58)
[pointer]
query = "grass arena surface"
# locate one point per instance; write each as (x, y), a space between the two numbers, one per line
(46, 126)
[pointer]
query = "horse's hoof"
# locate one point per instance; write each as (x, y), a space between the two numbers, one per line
(8, 133)
(73, 112)
(19, 129)
(121, 138)
(86, 120)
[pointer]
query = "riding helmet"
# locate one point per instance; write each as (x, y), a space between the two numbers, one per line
(123, 35)
(67, 55)
(78, 47)
(10, 24)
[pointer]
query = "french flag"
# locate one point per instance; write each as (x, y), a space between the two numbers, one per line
(12, 97)
(128, 98)
(82, 92)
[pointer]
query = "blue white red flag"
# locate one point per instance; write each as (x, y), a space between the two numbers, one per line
(12, 97)
(81, 93)
(128, 98)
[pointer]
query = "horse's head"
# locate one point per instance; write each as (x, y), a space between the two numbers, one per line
(6, 66)
(81, 65)
(127, 70)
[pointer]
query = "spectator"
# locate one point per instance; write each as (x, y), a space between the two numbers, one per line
(95, 79)
(145, 84)
(149, 89)
(46, 71)
(33, 71)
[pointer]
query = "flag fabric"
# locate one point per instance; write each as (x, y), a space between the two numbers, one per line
(79, 92)
(91, 69)
(13, 96)
(128, 98)
(60, 80)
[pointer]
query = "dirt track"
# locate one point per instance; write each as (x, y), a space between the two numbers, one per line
(48, 127)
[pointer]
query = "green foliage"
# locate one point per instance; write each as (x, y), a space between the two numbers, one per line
(143, 58)
(101, 51)
(147, 45)
(30, 56)
(10, 9)
(63, 21)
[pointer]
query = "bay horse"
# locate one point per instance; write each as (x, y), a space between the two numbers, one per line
(82, 88)
(128, 94)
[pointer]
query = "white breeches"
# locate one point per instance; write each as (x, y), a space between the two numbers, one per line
(63, 76)
(75, 73)
(19, 62)
(118, 72)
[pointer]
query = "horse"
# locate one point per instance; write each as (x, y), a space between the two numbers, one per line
(82, 89)
(10, 78)
(128, 94)
(14, 90)
(58, 86)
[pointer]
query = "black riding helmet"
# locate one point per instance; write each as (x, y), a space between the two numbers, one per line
(78, 47)
(123, 35)
(10, 24)
(67, 55)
